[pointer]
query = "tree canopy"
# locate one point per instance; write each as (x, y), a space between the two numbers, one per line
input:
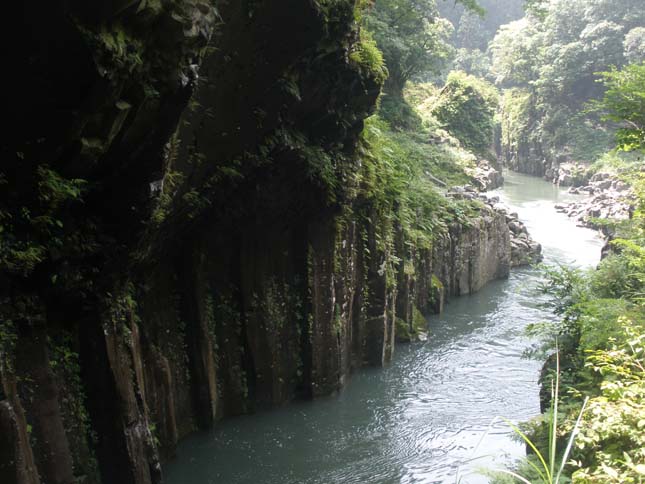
(556, 53)
(466, 107)
(624, 103)
(411, 36)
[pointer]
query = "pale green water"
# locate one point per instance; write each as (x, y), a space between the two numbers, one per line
(419, 420)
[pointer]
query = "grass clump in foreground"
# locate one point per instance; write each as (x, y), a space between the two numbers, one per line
(545, 467)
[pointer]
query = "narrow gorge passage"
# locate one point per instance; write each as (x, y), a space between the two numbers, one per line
(419, 420)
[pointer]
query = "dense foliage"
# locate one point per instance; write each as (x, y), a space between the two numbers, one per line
(602, 338)
(466, 107)
(412, 37)
(415, 42)
(410, 155)
(405, 173)
(474, 30)
(624, 103)
(554, 54)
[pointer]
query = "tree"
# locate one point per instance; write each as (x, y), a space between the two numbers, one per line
(554, 53)
(412, 38)
(516, 50)
(624, 103)
(474, 30)
(635, 45)
(466, 107)
(473, 62)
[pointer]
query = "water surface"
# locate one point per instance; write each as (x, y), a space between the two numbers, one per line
(422, 419)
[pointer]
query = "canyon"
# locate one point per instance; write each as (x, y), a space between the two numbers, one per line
(188, 237)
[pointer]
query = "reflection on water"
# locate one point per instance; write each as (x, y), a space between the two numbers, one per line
(421, 419)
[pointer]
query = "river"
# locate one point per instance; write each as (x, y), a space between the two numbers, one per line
(422, 419)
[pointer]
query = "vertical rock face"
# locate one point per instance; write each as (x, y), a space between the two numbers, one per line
(522, 147)
(183, 250)
(477, 254)
(530, 164)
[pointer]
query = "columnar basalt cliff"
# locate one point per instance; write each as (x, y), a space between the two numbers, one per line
(184, 236)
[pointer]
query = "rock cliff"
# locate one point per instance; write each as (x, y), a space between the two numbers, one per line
(184, 237)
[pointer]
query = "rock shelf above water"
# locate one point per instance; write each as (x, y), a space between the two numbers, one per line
(523, 249)
(609, 199)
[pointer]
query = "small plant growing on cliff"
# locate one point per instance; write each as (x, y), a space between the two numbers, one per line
(8, 339)
(367, 56)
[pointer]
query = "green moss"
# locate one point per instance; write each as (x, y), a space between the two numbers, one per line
(436, 283)
(435, 292)
(277, 305)
(408, 267)
(366, 55)
(154, 434)
(221, 311)
(402, 330)
(338, 321)
(419, 322)
(409, 331)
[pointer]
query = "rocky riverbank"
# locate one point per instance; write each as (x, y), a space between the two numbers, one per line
(567, 174)
(523, 250)
(608, 198)
(487, 176)
(462, 260)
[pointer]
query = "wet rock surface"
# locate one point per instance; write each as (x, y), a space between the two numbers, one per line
(567, 174)
(487, 176)
(608, 198)
(523, 250)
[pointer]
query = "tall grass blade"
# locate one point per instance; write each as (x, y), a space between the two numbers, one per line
(515, 475)
(479, 443)
(545, 478)
(574, 432)
(554, 417)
